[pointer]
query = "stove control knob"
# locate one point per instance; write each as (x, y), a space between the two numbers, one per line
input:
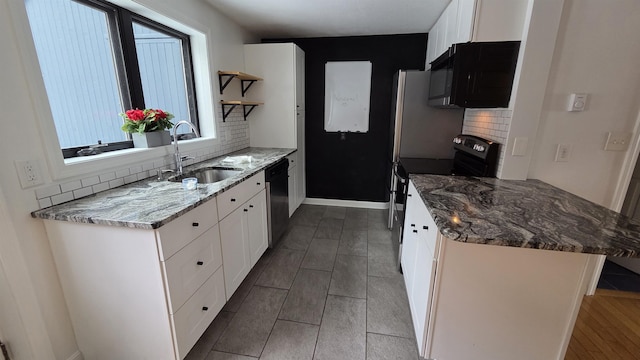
(480, 148)
(457, 140)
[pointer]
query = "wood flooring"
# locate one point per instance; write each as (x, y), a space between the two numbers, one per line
(608, 327)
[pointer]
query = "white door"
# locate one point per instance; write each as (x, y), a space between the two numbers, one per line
(257, 224)
(236, 254)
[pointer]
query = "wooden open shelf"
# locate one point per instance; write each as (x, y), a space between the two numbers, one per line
(247, 80)
(229, 105)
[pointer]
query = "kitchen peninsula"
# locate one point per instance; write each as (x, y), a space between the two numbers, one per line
(496, 269)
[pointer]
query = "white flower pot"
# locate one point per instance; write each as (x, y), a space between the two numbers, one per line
(151, 139)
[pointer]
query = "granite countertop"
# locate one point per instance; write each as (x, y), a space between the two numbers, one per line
(151, 203)
(527, 213)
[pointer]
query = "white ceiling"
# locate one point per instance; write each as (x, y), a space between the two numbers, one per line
(320, 18)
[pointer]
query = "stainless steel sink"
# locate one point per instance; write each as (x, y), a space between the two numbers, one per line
(208, 175)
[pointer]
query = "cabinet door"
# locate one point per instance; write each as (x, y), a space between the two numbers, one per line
(257, 222)
(236, 254)
(300, 74)
(450, 31)
(464, 21)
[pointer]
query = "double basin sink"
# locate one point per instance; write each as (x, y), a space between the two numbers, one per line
(208, 175)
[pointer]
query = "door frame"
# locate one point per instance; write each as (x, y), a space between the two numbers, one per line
(622, 186)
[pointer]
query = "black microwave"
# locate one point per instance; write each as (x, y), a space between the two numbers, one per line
(474, 75)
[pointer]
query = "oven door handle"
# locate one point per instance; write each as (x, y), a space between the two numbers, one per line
(400, 178)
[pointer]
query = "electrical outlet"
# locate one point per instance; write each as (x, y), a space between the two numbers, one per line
(29, 173)
(562, 152)
(618, 141)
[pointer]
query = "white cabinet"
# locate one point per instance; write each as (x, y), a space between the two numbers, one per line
(136, 293)
(243, 229)
(420, 242)
(280, 122)
(476, 20)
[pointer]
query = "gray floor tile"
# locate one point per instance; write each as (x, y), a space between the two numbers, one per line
(383, 347)
(349, 277)
(378, 215)
(321, 255)
(343, 330)
(204, 345)
(308, 215)
(297, 237)
(291, 341)
(353, 242)
(217, 355)
(250, 327)
(379, 236)
(356, 213)
(282, 269)
(329, 229)
(351, 223)
(243, 290)
(378, 225)
(335, 212)
(305, 301)
(388, 308)
(383, 260)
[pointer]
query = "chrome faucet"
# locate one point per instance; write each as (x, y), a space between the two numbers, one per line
(176, 151)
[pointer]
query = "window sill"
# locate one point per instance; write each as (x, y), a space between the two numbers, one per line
(84, 165)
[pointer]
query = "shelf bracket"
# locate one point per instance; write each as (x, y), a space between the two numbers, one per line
(226, 82)
(225, 114)
(246, 88)
(246, 113)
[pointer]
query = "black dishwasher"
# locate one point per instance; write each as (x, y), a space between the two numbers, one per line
(276, 177)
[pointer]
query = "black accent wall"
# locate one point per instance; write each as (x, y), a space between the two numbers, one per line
(357, 166)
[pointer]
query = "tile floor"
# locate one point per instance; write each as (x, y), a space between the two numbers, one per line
(329, 290)
(616, 277)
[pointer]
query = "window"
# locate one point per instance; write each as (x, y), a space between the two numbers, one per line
(98, 60)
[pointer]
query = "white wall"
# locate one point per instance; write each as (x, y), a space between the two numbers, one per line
(597, 52)
(20, 98)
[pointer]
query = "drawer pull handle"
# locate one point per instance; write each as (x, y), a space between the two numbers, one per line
(413, 225)
(246, 210)
(200, 263)
(409, 195)
(233, 200)
(250, 206)
(195, 224)
(204, 308)
(258, 184)
(425, 227)
(415, 231)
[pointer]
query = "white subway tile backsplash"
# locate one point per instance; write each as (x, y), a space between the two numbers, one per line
(44, 203)
(131, 178)
(70, 186)
(80, 193)
(108, 176)
(135, 169)
(115, 183)
(122, 173)
(142, 175)
(61, 198)
(100, 187)
(90, 181)
(492, 124)
(147, 166)
(47, 191)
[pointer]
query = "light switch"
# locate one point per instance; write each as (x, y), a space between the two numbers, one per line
(562, 152)
(520, 146)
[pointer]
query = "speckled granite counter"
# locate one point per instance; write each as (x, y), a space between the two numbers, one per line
(528, 214)
(150, 203)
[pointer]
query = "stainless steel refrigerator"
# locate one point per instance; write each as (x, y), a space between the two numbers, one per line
(418, 130)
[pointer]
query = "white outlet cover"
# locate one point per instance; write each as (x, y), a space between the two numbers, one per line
(29, 173)
(617, 141)
(563, 151)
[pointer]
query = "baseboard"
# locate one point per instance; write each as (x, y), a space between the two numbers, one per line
(347, 203)
(76, 356)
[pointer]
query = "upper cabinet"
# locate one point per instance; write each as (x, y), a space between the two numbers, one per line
(476, 20)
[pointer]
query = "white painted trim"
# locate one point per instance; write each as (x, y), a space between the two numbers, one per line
(595, 278)
(347, 203)
(76, 356)
(628, 166)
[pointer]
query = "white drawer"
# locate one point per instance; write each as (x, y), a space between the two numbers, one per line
(192, 319)
(187, 269)
(181, 231)
(293, 159)
(239, 194)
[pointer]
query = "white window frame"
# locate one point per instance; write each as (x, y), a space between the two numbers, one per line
(204, 87)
